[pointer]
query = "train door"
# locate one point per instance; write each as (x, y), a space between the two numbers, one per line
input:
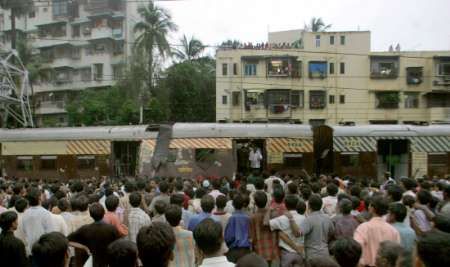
(243, 147)
(393, 156)
(125, 155)
(323, 149)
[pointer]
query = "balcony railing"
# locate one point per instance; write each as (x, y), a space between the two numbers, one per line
(384, 74)
(442, 80)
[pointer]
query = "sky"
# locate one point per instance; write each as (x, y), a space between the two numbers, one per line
(414, 24)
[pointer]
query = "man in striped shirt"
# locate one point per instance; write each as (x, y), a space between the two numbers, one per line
(137, 218)
(184, 250)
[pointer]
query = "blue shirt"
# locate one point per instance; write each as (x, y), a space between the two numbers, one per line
(237, 230)
(407, 236)
(196, 219)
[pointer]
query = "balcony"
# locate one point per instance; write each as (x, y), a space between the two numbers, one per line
(283, 67)
(439, 114)
(50, 107)
(384, 67)
(317, 69)
(105, 33)
(414, 75)
(387, 100)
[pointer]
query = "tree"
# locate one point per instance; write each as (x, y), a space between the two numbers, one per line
(191, 49)
(156, 24)
(17, 8)
(317, 25)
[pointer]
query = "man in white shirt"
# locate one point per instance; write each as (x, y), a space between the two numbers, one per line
(255, 157)
(289, 255)
(36, 220)
(208, 239)
(216, 186)
(269, 181)
(330, 201)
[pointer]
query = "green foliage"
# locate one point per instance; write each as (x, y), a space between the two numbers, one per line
(317, 25)
(191, 49)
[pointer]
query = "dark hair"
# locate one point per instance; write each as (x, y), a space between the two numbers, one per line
(83, 203)
(355, 202)
(395, 192)
(122, 253)
(322, 262)
(200, 192)
(306, 192)
(259, 183)
(315, 202)
(50, 250)
(301, 206)
(345, 206)
(216, 184)
(332, 189)
(130, 187)
(434, 248)
(355, 191)
(238, 201)
(346, 251)
(20, 204)
(155, 244)
(260, 199)
(442, 222)
(408, 183)
(135, 199)
(96, 211)
(160, 206)
(292, 188)
(221, 201)
(398, 210)
(173, 215)
(208, 236)
(207, 203)
(278, 194)
(252, 260)
(63, 205)
(7, 218)
(177, 199)
(380, 205)
(179, 185)
(163, 187)
(408, 201)
(33, 196)
(342, 196)
(388, 253)
(111, 203)
(424, 197)
(291, 202)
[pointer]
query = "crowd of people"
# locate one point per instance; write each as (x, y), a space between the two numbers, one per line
(255, 220)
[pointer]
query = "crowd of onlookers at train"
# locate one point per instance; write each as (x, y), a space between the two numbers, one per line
(255, 220)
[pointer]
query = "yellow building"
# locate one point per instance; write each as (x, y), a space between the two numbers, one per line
(331, 78)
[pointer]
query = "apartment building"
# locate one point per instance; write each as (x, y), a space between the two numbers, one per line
(83, 45)
(330, 78)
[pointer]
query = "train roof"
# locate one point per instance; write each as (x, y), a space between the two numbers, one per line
(392, 130)
(239, 130)
(132, 132)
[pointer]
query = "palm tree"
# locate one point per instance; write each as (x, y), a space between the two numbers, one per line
(191, 49)
(153, 29)
(17, 8)
(317, 25)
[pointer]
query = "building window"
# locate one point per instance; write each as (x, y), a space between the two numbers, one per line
(297, 99)
(253, 98)
(204, 154)
(24, 163)
(332, 40)
(317, 99)
(250, 69)
(342, 68)
(117, 71)
(60, 8)
(224, 100)
(224, 69)
(444, 69)
(85, 162)
(235, 69)
(86, 74)
(387, 100)
(98, 72)
(384, 67)
(414, 75)
(342, 99)
(76, 30)
(331, 99)
(317, 69)
(294, 160)
(331, 68)
(411, 100)
(317, 40)
(48, 162)
(32, 14)
(342, 40)
(236, 98)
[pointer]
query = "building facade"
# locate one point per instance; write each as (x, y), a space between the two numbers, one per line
(83, 44)
(330, 78)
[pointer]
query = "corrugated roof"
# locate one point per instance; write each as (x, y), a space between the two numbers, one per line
(134, 132)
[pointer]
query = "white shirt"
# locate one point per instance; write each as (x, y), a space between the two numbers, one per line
(36, 221)
(216, 262)
(255, 159)
(282, 223)
(215, 193)
(409, 193)
(269, 183)
(60, 224)
(329, 205)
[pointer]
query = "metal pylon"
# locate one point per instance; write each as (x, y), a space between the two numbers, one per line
(15, 90)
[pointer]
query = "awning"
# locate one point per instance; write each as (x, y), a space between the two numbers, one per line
(213, 143)
(430, 144)
(149, 144)
(88, 147)
(289, 145)
(354, 144)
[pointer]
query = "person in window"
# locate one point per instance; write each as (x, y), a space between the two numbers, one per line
(255, 157)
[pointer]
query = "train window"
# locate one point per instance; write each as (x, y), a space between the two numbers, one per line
(293, 160)
(24, 163)
(85, 162)
(350, 159)
(48, 163)
(204, 154)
